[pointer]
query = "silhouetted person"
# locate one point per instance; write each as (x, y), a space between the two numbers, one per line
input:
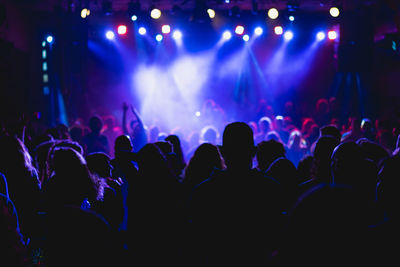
(112, 205)
(267, 152)
(137, 131)
(95, 141)
(125, 168)
(234, 213)
(285, 173)
(23, 183)
(179, 163)
(326, 227)
(264, 126)
(155, 211)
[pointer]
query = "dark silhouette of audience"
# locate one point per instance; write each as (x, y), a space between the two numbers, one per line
(233, 216)
(95, 141)
(298, 190)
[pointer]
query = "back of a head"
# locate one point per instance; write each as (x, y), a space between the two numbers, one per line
(123, 143)
(331, 130)
(99, 163)
(267, 152)
(153, 163)
(346, 162)
(95, 124)
(264, 124)
(209, 134)
(238, 145)
(284, 171)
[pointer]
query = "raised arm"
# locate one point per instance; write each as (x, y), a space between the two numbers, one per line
(124, 111)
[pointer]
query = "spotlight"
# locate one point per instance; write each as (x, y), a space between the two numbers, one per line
(291, 18)
(332, 35)
(288, 35)
(142, 31)
(49, 39)
(85, 12)
(197, 114)
(177, 35)
(273, 13)
(159, 37)
(155, 13)
(334, 11)
(246, 37)
(321, 36)
(239, 29)
(258, 31)
(227, 35)
(122, 29)
(166, 29)
(133, 10)
(211, 13)
(110, 35)
(278, 30)
(227, 1)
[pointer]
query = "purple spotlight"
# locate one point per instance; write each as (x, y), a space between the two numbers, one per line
(110, 35)
(321, 36)
(288, 35)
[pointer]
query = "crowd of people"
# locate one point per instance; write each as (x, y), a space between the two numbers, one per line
(274, 191)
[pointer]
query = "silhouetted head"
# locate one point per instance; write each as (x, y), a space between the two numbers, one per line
(331, 130)
(238, 146)
(204, 160)
(99, 163)
(322, 106)
(322, 155)
(209, 134)
(372, 150)
(284, 171)
(346, 163)
(123, 143)
(76, 133)
(70, 181)
(95, 124)
(153, 163)
(264, 124)
(267, 152)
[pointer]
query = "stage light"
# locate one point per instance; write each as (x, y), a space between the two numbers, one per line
(85, 12)
(278, 30)
(258, 31)
(291, 18)
(49, 39)
(321, 36)
(155, 13)
(197, 114)
(227, 35)
(110, 35)
(211, 13)
(334, 11)
(122, 29)
(288, 35)
(134, 18)
(273, 13)
(43, 43)
(142, 31)
(166, 29)
(159, 37)
(239, 29)
(177, 35)
(246, 37)
(332, 35)
(227, 1)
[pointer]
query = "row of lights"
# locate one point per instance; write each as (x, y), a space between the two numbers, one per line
(239, 30)
(273, 13)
